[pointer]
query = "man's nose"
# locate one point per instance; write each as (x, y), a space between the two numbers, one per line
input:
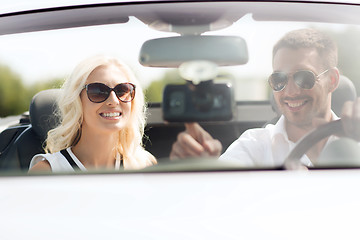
(291, 87)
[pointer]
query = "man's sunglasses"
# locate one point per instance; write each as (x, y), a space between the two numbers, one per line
(304, 79)
(99, 92)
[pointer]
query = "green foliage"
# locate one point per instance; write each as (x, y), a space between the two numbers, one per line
(15, 97)
(39, 86)
(13, 94)
(153, 92)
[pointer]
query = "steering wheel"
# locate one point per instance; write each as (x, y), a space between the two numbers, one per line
(292, 161)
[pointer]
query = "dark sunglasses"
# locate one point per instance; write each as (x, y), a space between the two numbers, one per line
(99, 92)
(304, 79)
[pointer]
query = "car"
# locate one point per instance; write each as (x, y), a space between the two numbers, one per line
(224, 50)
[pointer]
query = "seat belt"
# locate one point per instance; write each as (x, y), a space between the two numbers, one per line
(70, 160)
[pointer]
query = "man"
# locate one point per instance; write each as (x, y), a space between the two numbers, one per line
(303, 79)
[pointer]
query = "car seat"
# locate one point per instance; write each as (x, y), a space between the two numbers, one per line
(346, 91)
(19, 152)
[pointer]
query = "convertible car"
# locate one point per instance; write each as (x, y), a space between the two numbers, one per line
(223, 50)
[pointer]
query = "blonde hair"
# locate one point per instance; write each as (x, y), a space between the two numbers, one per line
(68, 132)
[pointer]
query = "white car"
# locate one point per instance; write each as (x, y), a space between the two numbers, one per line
(226, 44)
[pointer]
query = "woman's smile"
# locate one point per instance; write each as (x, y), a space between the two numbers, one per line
(111, 115)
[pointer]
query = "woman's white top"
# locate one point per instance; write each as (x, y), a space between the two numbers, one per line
(57, 161)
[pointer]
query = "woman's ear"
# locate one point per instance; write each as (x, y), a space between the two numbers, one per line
(334, 79)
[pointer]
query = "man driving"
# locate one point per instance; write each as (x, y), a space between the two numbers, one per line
(304, 77)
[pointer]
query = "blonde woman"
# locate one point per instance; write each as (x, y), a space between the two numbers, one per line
(102, 112)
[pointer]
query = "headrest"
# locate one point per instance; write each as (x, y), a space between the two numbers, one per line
(42, 109)
(346, 91)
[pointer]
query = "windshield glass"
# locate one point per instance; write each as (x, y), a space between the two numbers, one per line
(37, 60)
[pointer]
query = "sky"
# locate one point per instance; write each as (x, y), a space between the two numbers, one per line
(44, 55)
(58, 55)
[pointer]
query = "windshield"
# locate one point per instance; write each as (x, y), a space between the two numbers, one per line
(32, 60)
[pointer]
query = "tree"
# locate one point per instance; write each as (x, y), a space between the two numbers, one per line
(153, 92)
(42, 85)
(13, 95)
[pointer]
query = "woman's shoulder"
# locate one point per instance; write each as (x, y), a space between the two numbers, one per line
(54, 162)
(41, 160)
(150, 159)
(142, 159)
(42, 166)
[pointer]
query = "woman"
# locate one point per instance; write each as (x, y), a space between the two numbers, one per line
(102, 113)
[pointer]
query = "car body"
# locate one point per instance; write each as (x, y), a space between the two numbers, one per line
(183, 200)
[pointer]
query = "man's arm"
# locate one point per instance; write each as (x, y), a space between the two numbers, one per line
(195, 142)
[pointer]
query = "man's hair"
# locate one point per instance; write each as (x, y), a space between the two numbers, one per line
(310, 38)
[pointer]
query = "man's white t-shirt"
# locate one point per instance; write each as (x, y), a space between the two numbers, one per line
(264, 147)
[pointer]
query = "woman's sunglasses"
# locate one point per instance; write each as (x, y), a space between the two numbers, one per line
(99, 92)
(304, 79)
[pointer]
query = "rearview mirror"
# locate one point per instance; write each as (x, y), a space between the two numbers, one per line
(173, 51)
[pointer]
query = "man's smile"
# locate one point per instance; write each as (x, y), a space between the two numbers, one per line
(295, 105)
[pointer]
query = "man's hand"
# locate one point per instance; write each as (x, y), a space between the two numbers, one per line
(195, 142)
(350, 118)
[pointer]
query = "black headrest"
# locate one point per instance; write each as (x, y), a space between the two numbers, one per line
(346, 91)
(42, 109)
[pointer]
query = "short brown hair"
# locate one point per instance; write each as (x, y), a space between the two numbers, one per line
(310, 38)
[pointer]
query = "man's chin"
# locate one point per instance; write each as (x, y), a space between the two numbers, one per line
(298, 121)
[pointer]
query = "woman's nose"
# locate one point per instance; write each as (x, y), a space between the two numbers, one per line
(112, 99)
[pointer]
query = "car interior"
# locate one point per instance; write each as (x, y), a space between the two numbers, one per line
(21, 143)
(179, 28)
(205, 61)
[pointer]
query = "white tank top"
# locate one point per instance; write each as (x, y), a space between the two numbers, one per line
(57, 161)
